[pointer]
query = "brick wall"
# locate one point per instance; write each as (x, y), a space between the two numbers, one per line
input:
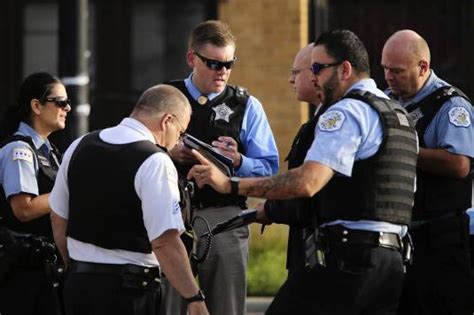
(269, 34)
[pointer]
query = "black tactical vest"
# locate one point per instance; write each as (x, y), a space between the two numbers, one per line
(302, 208)
(104, 208)
(48, 168)
(437, 195)
(382, 186)
(204, 126)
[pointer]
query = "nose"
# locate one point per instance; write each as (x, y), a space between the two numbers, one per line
(291, 79)
(388, 75)
(67, 108)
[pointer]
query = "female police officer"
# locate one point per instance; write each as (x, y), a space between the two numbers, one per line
(28, 166)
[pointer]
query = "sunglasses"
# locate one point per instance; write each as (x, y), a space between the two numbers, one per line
(59, 101)
(216, 64)
(316, 67)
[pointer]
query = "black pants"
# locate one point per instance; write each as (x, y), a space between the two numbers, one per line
(28, 292)
(95, 294)
(440, 280)
(358, 279)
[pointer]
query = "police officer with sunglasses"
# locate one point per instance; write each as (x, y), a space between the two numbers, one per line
(29, 274)
(359, 177)
(234, 122)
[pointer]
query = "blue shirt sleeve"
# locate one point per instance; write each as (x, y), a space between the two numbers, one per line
(261, 157)
(18, 169)
(350, 130)
(451, 128)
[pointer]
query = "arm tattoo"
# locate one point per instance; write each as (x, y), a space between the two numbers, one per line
(281, 186)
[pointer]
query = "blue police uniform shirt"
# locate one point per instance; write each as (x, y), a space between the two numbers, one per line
(451, 128)
(261, 157)
(19, 165)
(348, 131)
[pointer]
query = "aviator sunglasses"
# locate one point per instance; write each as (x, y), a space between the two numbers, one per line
(316, 67)
(216, 64)
(59, 101)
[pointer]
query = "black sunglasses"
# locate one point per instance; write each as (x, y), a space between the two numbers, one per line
(216, 64)
(59, 101)
(316, 67)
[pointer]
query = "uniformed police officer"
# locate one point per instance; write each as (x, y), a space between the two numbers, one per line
(297, 213)
(362, 166)
(234, 122)
(28, 167)
(116, 215)
(439, 280)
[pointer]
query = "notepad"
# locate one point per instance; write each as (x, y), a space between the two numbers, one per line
(222, 162)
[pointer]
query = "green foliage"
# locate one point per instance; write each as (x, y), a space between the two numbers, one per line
(267, 261)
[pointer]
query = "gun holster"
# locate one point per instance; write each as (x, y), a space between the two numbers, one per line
(315, 250)
(407, 249)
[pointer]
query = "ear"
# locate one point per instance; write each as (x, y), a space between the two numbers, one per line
(35, 106)
(424, 67)
(345, 71)
(165, 121)
(190, 58)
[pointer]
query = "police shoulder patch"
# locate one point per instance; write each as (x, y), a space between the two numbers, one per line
(459, 116)
(23, 154)
(331, 121)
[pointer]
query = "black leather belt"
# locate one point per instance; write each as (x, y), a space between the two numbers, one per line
(339, 235)
(111, 269)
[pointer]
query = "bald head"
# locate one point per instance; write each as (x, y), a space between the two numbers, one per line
(409, 44)
(301, 76)
(406, 63)
(161, 99)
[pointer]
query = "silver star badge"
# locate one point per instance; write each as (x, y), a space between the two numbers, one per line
(223, 112)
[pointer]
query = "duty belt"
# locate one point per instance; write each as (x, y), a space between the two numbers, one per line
(338, 235)
(132, 276)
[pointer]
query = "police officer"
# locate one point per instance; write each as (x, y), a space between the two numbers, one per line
(234, 122)
(439, 281)
(361, 166)
(297, 213)
(28, 167)
(116, 216)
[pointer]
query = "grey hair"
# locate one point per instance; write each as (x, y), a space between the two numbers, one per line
(160, 99)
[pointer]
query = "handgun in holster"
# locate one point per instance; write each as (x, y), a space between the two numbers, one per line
(315, 251)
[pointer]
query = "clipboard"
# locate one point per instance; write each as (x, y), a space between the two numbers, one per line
(223, 163)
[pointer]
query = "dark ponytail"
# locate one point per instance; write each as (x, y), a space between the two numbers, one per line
(35, 86)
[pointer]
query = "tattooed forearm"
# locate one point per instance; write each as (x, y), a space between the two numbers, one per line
(287, 185)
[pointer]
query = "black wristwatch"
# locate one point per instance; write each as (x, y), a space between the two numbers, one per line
(198, 297)
(234, 185)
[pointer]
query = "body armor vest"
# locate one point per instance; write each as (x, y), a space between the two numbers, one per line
(382, 186)
(221, 116)
(437, 195)
(48, 168)
(102, 196)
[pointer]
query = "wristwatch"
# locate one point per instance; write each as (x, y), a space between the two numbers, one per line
(234, 185)
(198, 297)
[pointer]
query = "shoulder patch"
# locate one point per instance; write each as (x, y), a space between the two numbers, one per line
(23, 154)
(459, 116)
(331, 121)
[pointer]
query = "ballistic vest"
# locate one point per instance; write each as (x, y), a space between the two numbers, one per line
(231, 104)
(302, 208)
(381, 187)
(437, 195)
(104, 208)
(47, 170)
